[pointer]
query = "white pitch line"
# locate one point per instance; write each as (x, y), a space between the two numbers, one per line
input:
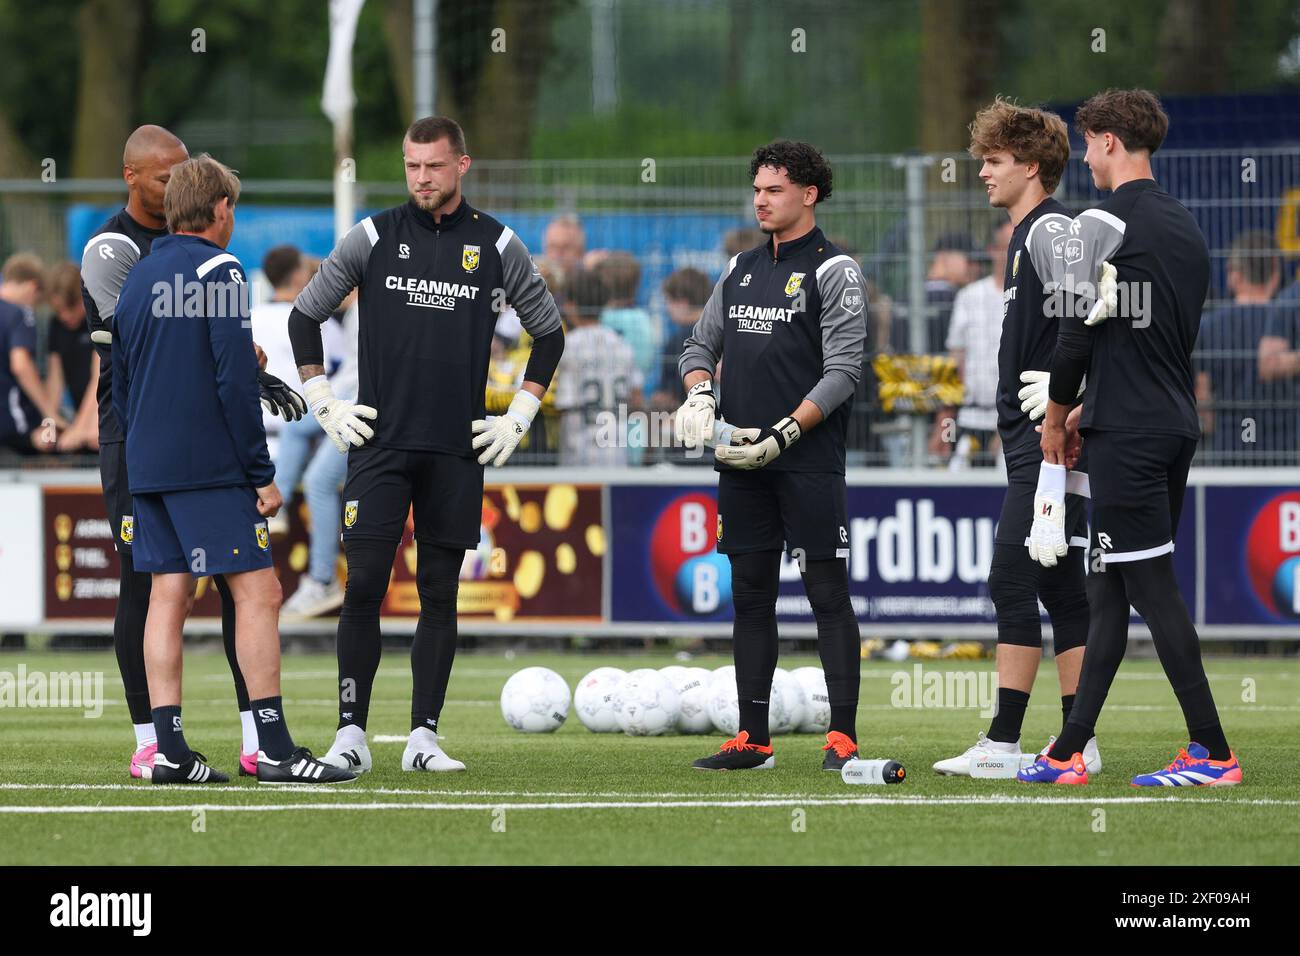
(638, 805)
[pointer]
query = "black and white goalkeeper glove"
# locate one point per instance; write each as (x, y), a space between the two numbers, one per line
(751, 448)
(279, 399)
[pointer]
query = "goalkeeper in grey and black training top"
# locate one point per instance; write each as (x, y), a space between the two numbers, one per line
(788, 322)
(1139, 427)
(433, 274)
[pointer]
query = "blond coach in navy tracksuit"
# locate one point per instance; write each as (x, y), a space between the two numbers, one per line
(185, 389)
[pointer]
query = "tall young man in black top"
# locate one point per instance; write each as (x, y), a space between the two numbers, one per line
(788, 319)
(434, 274)
(1139, 423)
(1023, 153)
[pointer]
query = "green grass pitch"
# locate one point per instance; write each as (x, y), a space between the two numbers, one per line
(577, 797)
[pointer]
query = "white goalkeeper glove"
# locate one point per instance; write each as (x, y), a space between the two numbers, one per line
(751, 448)
(1107, 296)
(1047, 534)
(503, 433)
(1033, 397)
(693, 423)
(341, 419)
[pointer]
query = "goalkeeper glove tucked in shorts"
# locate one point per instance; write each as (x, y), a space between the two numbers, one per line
(1047, 534)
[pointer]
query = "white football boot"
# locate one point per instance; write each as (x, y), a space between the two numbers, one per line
(1091, 755)
(423, 753)
(349, 751)
(960, 766)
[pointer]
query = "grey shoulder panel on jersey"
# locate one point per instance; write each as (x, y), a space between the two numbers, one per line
(1045, 244)
(844, 332)
(525, 289)
(1094, 236)
(105, 263)
(703, 347)
(339, 274)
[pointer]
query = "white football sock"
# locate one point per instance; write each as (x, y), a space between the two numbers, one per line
(144, 735)
(249, 728)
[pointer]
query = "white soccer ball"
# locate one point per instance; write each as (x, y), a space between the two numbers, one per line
(817, 709)
(785, 707)
(535, 700)
(693, 691)
(593, 699)
(674, 673)
(724, 706)
(645, 703)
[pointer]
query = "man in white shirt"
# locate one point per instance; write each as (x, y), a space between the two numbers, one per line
(973, 338)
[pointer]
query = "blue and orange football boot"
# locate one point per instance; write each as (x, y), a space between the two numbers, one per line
(1194, 768)
(1047, 770)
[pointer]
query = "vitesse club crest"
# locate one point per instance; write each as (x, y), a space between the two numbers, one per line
(128, 528)
(719, 527)
(469, 258)
(349, 514)
(1015, 264)
(263, 536)
(792, 284)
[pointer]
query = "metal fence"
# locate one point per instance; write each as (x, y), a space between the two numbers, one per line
(888, 211)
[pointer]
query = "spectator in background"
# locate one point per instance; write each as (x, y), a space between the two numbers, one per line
(73, 363)
(26, 411)
(741, 240)
(287, 271)
(620, 274)
(1279, 366)
(597, 383)
(973, 338)
(319, 590)
(685, 292)
(1247, 417)
(951, 268)
(563, 243)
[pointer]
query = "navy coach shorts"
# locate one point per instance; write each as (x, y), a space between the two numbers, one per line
(206, 531)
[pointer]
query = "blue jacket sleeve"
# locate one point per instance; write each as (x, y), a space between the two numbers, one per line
(230, 334)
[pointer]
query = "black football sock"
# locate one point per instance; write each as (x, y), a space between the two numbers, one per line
(171, 738)
(754, 580)
(1153, 588)
(434, 648)
(1213, 740)
(839, 643)
(1067, 705)
(370, 565)
(228, 639)
(1107, 640)
(272, 732)
(1007, 722)
(133, 592)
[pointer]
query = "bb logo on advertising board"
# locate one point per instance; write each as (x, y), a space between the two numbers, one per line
(1273, 555)
(689, 575)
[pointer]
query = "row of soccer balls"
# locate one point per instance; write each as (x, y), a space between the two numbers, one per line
(648, 702)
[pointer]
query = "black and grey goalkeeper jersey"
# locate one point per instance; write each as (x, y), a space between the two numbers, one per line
(1028, 332)
(106, 261)
(430, 294)
(1139, 372)
(786, 329)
